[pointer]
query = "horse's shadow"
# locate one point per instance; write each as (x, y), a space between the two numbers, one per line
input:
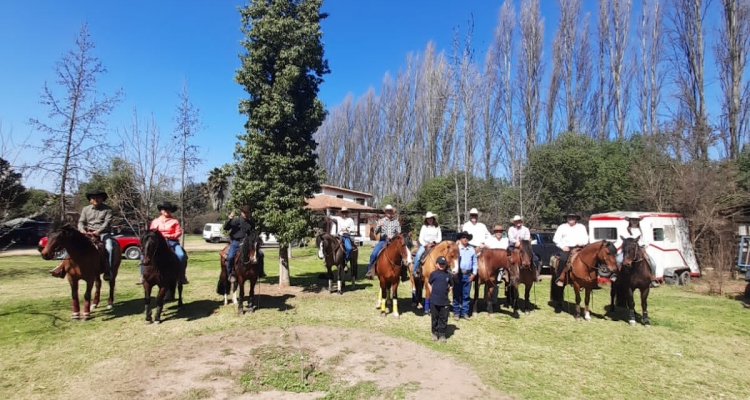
(450, 330)
(621, 313)
(316, 282)
(570, 309)
(190, 311)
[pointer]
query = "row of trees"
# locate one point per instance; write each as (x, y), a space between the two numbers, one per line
(605, 78)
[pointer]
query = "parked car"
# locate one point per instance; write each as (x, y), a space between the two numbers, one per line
(130, 246)
(448, 234)
(543, 247)
(22, 231)
(212, 233)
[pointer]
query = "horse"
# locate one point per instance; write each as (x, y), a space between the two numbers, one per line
(162, 268)
(635, 273)
(331, 250)
(388, 264)
(86, 261)
(246, 264)
(526, 275)
(447, 249)
(489, 263)
(582, 268)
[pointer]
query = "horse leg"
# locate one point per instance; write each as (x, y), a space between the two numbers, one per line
(353, 263)
(631, 307)
(241, 290)
(87, 300)
(179, 292)
(516, 295)
(330, 279)
(644, 306)
(527, 288)
(160, 303)
(587, 314)
(234, 292)
(612, 295)
(75, 303)
(476, 297)
(250, 307)
(577, 290)
(383, 299)
(491, 288)
(97, 292)
(111, 298)
(394, 299)
(147, 299)
(340, 278)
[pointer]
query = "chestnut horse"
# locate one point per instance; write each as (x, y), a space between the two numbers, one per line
(388, 264)
(526, 276)
(489, 263)
(162, 268)
(86, 261)
(246, 266)
(581, 271)
(635, 273)
(447, 249)
(331, 250)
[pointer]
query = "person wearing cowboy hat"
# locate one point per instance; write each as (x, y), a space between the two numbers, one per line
(429, 236)
(467, 271)
(478, 230)
(170, 228)
(344, 227)
(517, 233)
(388, 227)
(633, 231)
(238, 228)
(567, 237)
(497, 240)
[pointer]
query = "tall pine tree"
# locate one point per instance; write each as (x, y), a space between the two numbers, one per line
(282, 67)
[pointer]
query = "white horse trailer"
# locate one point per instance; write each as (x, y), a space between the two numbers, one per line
(667, 237)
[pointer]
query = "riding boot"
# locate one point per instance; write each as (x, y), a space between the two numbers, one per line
(231, 276)
(261, 270)
(370, 272)
(58, 271)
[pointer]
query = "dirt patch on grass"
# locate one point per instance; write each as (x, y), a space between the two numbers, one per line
(293, 363)
(718, 283)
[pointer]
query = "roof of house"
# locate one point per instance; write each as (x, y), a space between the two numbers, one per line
(324, 202)
(346, 190)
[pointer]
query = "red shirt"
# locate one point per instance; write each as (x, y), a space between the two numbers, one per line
(168, 227)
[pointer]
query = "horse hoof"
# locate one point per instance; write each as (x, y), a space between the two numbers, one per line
(396, 315)
(93, 306)
(526, 313)
(382, 313)
(631, 322)
(109, 306)
(75, 315)
(148, 322)
(157, 322)
(647, 325)
(587, 317)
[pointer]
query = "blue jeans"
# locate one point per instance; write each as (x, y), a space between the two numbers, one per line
(233, 247)
(375, 250)
(109, 245)
(650, 260)
(347, 246)
(461, 295)
(420, 251)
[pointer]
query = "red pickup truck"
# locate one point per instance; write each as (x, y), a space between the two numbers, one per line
(130, 245)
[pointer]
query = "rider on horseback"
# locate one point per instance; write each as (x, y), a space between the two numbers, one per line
(344, 227)
(96, 222)
(568, 237)
(477, 230)
(388, 227)
(429, 236)
(170, 228)
(516, 234)
(238, 228)
(634, 231)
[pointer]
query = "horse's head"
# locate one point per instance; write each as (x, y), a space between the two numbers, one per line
(607, 254)
(526, 254)
(398, 242)
(451, 254)
(151, 241)
(57, 239)
(321, 243)
(630, 250)
(250, 245)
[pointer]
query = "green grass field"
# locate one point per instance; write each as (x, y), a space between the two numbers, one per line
(697, 346)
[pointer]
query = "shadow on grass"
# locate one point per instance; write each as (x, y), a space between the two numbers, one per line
(317, 282)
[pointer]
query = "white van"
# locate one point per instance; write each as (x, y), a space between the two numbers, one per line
(212, 233)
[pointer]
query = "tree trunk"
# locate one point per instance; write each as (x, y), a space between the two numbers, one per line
(285, 253)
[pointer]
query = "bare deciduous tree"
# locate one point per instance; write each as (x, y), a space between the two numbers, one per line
(554, 87)
(601, 99)
(652, 76)
(187, 123)
(75, 133)
(617, 47)
(530, 67)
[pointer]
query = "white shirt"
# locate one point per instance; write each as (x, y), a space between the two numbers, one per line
(344, 225)
(495, 243)
(478, 231)
(515, 235)
(635, 232)
(429, 234)
(571, 236)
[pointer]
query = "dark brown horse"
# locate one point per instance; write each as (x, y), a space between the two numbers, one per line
(331, 250)
(246, 267)
(489, 263)
(447, 249)
(581, 271)
(635, 273)
(161, 268)
(526, 276)
(388, 266)
(86, 261)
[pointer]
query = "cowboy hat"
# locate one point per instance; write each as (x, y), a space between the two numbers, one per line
(571, 214)
(430, 215)
(167, 206)
(344, 210)
(97, 192)
(498, 228)
(388, 207)
(517, 218)
(473, 211)
(465, 234)
(245, 209)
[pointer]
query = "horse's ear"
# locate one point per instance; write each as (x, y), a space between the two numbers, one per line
(638, 239)
(622, 238)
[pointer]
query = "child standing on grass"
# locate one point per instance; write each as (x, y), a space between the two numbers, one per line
(440, 282)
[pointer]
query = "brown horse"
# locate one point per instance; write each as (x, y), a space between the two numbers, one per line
(86, 261)
(388, 266)
(581, 271)
(526, 276)
(447, 249)
(246, 267)
(489, 263)
(331, 250)
(162, 268)
(635, 273)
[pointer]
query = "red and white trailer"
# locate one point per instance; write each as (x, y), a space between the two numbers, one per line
(667, 237)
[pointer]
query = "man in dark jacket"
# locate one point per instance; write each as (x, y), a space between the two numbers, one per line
(238, 228)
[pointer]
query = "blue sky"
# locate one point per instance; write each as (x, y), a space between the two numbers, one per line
(150, 47)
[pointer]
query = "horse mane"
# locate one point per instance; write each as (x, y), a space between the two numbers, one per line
(77, 239)
(153, 237)
(252, 237)
(526, 247)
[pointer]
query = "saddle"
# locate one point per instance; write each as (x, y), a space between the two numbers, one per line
(422, 259)
(100, 247)
(573, 255)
